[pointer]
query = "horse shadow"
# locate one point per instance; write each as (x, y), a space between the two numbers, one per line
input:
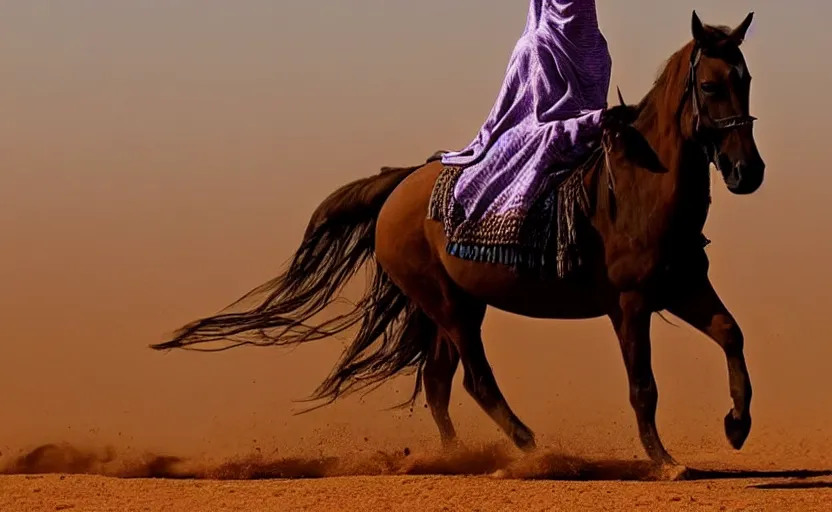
(555, 466)
(791, 478)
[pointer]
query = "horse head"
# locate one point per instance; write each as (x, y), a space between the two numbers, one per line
(718, 87)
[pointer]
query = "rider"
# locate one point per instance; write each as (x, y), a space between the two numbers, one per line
(549, 110)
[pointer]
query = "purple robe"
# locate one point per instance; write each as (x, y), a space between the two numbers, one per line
(546, 117)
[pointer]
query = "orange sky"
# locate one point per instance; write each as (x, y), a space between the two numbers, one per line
(159, 159)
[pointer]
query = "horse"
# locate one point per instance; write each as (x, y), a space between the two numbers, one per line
(641, 243)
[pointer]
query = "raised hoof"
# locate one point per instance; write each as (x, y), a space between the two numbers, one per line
(524, 439)
(672, 472)
(737, 430)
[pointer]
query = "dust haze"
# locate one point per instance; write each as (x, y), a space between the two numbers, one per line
(158, 162)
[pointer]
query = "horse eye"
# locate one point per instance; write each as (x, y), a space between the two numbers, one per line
(709, 88)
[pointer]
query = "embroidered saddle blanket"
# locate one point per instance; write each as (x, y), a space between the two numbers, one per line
(541, 238)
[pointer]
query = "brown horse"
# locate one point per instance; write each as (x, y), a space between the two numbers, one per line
(641, 246)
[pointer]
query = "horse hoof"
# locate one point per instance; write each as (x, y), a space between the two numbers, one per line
(737, 430)
(672, 472)
(500, 474)
(524, 439)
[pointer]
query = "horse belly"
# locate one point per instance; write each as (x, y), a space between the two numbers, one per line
(555, 302)
(500, 287)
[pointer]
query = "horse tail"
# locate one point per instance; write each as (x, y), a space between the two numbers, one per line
(394, 335)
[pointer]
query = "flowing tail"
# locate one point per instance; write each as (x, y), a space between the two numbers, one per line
(394, 335)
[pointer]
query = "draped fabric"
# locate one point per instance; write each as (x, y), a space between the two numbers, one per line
(545, 120)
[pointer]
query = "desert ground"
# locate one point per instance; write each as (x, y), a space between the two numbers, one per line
(484, 480)
(418, 493)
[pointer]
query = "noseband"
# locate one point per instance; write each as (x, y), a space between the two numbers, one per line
(719, 125)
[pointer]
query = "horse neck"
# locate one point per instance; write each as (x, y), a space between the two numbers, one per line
(659, 119)
(683, 191)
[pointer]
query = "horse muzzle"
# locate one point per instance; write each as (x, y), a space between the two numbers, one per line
(743, 177)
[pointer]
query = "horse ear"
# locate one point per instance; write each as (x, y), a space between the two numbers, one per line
(621, 97)
(697, 28)
(738, 34)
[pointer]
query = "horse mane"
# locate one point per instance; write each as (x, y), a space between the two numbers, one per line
(664, 98)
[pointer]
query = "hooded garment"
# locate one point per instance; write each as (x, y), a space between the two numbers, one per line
(545, 120)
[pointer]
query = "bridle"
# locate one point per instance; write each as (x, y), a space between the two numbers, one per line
(719, 125)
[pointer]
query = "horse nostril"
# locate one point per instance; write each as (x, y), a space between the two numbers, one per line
(745, 177)
(739, 167)
(724, 163)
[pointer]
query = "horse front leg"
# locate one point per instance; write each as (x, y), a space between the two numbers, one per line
(631, 320)
(700, 306)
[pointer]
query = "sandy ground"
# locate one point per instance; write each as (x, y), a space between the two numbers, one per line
(487, 478)
(423, 493)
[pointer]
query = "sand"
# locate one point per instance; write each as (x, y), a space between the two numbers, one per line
(417, 493)
(484, 479)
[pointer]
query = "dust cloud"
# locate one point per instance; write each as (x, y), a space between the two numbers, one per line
(496, 460)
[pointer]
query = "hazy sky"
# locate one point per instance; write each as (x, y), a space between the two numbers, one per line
(160, 157)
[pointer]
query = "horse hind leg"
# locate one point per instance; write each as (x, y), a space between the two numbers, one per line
(479, 381)
(459, 319)
(438, 375)
(411, 258)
